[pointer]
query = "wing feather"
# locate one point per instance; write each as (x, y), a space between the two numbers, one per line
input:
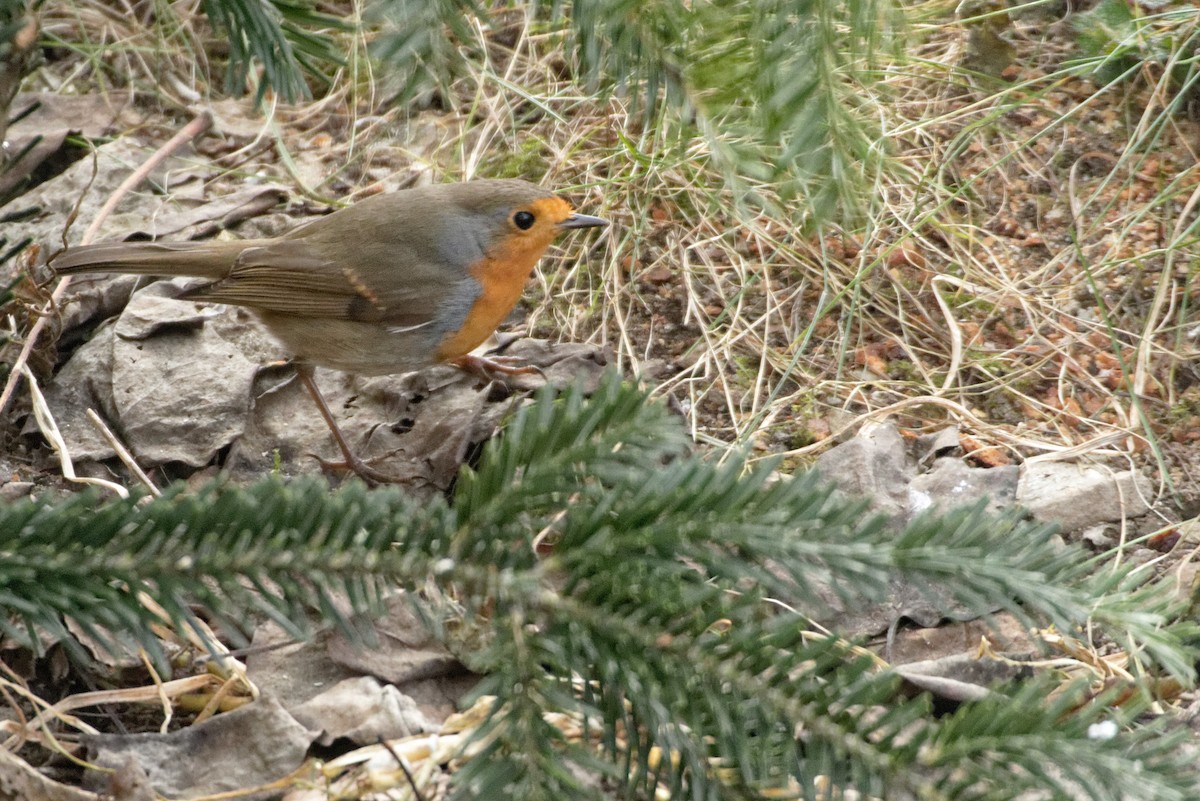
(287, 277)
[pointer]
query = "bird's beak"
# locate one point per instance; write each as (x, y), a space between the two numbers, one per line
(582, 221)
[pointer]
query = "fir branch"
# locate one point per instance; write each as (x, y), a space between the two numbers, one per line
(426, 42)
(771, 85)
(649, 618)
(773, 88)
(1037, 739)
(288, 38)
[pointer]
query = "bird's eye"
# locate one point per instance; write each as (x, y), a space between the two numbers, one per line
(523, 220)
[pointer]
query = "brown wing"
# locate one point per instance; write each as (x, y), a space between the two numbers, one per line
(292, 277)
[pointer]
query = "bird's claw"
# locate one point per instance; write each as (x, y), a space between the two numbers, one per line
(357, 466)
(497, 368)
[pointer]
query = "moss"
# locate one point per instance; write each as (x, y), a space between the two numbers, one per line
(801, 437)
(903, 370)
(1186, 408)
(529, 161)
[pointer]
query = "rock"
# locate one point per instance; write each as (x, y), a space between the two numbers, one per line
(416, 677)
(1100, 537)
(877, 464)
(951, 483)
(1077, 496)
(14, 490)
(873, 464)
(180, 381)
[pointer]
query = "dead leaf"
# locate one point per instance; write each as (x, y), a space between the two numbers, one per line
(362, 710)
(249, 747)
(982, 454)
(20, 781)
(660, 274)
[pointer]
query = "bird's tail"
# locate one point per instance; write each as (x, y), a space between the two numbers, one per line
(212, 260)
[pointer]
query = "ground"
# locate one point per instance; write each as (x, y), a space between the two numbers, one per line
(1024, 270)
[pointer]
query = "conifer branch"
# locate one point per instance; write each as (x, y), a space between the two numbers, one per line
(772, 87)
(649, 618)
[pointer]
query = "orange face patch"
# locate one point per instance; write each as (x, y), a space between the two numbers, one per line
(503, 272)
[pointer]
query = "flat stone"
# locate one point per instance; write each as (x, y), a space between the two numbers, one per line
(1077, 497)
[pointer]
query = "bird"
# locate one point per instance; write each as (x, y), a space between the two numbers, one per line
(393, 283)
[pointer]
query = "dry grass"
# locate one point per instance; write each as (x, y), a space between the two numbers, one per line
(1024, 273)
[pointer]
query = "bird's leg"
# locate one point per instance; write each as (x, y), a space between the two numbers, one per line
(496, 368)
(352, 460)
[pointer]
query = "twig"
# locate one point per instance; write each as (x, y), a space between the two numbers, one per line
(202, 638)
(412, 782)
(122, 452)
(195, 128)
(163, 700)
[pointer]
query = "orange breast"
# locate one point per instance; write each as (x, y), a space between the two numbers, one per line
(502, 276)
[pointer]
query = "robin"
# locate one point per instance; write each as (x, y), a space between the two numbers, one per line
(394, 283)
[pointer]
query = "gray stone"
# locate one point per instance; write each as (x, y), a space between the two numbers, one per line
(1077, 496)
(875, 465)
(952, 483)
(1101, 537)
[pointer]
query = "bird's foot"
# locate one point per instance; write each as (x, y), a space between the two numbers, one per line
(497, 368)
(359, 467)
